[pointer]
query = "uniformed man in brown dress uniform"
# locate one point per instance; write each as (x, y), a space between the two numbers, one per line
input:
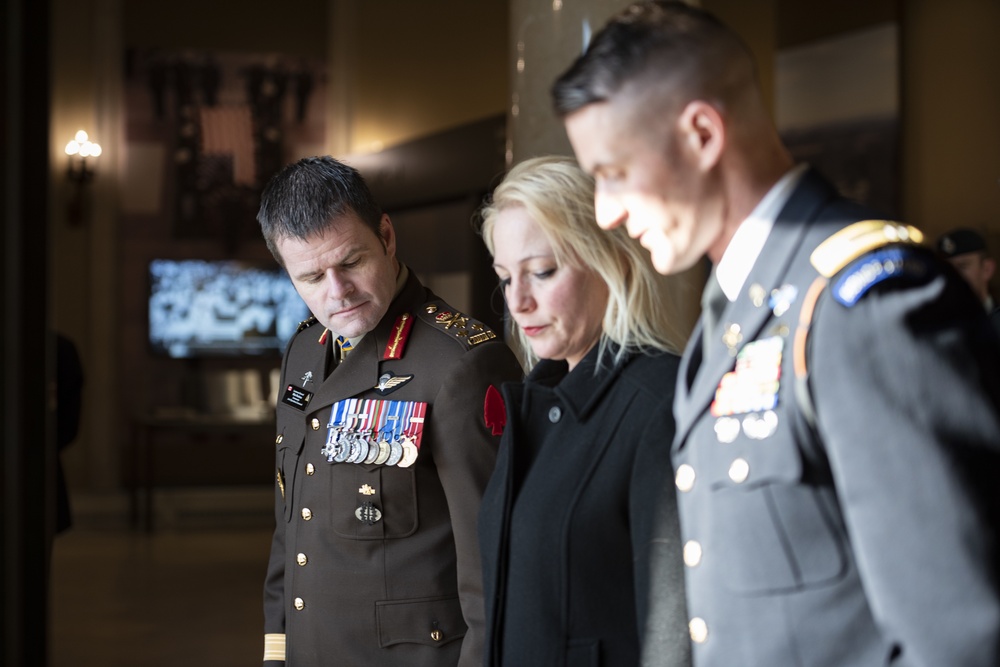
(383, 449)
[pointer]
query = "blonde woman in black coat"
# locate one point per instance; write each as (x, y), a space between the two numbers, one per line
(582, 497)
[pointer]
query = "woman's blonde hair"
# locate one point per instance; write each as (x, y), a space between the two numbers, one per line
(559, 196)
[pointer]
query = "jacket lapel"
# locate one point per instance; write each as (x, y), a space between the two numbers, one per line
(697, 383)
(359, 372)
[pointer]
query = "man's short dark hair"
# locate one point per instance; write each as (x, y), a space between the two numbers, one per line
(304, 198)
(665, 38)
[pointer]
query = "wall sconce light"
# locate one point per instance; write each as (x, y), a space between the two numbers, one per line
(81, 152)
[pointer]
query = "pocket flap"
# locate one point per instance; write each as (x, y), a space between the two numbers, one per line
(430, 621)
(741, 460)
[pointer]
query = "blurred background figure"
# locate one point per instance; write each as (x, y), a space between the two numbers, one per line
(569, 521)
(966, 250)
(68, 400)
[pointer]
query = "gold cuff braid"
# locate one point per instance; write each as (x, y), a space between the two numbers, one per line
(274, 647)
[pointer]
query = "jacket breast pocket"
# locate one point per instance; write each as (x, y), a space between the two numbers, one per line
(372, 502)
(774, 531)
(436, 621)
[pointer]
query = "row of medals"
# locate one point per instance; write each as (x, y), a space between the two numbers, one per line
(348, 446)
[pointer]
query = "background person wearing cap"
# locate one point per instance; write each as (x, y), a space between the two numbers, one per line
(965, 249)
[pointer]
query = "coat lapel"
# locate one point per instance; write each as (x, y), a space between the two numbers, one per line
(582, 390)
(697, 381)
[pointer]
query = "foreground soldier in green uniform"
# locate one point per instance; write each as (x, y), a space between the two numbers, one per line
(382, 447)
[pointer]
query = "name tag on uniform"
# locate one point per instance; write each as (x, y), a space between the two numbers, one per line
(297, 397)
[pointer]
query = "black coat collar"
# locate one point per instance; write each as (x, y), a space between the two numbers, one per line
(582, 389)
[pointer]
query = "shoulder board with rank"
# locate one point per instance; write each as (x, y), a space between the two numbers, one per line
(305, 324)
(853, 241)
(466, 330)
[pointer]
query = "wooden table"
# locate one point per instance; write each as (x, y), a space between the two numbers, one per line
(216, 430)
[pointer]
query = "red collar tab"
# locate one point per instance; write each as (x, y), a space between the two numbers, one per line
(397, 339)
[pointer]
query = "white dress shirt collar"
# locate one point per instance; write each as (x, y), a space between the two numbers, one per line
(745, 246)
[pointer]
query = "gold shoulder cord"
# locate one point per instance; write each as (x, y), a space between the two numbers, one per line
(851, 242)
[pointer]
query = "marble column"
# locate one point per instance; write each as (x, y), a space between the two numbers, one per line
(545, 37)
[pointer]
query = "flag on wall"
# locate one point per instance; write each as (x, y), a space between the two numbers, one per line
(228, 131)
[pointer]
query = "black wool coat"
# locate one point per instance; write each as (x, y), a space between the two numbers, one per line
(579, 504)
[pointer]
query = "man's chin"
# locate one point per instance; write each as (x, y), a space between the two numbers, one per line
(356, 324)
(663, 260)
(352, 330)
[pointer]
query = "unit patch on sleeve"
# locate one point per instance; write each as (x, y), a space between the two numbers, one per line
(876, 267)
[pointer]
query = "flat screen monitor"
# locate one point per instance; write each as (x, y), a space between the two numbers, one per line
(221, 308)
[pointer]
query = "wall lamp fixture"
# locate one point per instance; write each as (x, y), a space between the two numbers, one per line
(82, 152)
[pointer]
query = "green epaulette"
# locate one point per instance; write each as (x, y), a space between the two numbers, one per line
(465, 329)
(855, 240)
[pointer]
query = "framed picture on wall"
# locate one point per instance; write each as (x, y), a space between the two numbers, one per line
(206, 130)
(837, 108)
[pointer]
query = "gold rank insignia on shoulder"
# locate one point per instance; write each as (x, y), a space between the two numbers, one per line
(853, 241)
(467, 330)
(305, 324)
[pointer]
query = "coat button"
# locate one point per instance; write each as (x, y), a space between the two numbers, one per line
(685, 477)
(739, 471)
(555, 414)
(278, 440)
(301, 559)
(692, 553)
(310, 469)
(307, 513)
(698, 629)
(300, 604)
(315, 424)
(436, 635)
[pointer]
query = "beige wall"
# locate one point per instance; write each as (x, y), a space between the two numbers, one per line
(81, 281)
(951, 115)
(424, 67)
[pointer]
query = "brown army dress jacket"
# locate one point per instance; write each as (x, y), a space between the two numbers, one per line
(378, 564)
